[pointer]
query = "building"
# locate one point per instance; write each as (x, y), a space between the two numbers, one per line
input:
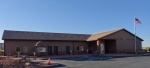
(43, 43)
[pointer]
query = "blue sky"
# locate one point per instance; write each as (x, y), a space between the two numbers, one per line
(75, 16)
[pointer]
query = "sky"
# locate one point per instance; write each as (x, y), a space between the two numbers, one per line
(76, 16)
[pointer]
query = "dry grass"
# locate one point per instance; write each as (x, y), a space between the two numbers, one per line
(9, 62)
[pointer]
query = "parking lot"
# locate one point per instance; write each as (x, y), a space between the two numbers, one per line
(101, 62)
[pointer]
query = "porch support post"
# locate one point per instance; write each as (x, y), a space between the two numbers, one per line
(98, 51)
(102, 48)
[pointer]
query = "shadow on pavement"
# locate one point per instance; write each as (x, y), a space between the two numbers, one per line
(41, 65)
(87, 58)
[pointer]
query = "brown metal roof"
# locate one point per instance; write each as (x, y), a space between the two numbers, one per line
(25, 35)
(100, 35)
(105, 34)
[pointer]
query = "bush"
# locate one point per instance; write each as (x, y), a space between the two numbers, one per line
(1, 52)
(140, 52)
(149, 49)
(144, 50)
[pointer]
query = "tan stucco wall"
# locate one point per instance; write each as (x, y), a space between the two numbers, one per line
(10, 45)
(125, 41)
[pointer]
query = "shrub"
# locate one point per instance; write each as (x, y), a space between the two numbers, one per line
(140, 52)
(144, 50)
(149, 49)
(1, 52)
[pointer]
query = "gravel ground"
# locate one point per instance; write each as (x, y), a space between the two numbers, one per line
(9, 62)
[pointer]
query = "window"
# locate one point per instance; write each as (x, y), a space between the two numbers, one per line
(32, 49)
(80, 48)
(41, 49)
(25, 49)
(18, 49)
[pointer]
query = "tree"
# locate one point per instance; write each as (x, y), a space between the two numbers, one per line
(149, 49)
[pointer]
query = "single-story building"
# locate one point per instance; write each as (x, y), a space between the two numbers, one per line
(46, 43)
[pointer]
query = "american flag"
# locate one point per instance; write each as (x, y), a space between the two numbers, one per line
(137, 21)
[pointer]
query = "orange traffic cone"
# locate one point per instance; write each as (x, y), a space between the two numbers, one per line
(49, 62)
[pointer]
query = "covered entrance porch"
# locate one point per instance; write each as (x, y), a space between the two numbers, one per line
(103, 46)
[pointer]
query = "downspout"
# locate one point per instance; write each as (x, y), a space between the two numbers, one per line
(73, 47)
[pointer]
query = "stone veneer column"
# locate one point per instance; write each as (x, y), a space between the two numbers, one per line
(102, 45)
(98, 46)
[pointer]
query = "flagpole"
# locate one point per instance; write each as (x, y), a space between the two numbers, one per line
(135, 33)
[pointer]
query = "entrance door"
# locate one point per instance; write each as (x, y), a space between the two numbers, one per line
(68, 50)
(55, 50)
(110, 46)
(89, 49)
(49, 50)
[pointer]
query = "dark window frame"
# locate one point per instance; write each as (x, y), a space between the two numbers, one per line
(17, 49)
(78, 48)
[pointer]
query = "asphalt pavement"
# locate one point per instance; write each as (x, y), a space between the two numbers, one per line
(99, 62)
(124, 62)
